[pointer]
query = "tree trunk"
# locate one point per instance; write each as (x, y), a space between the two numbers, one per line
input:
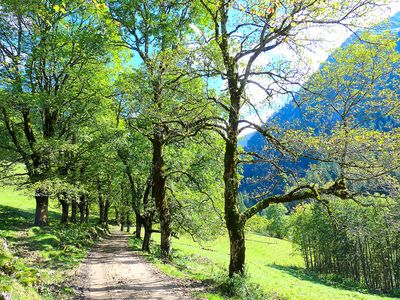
(87, 211)
(82, 204)
(234, 220)
(122, 221)
(42, 208)
(108, 201)
(138, 228)
(159, 188)
(147, 218)
(82, 213)
(106, 211)
(74, 209)
(135, 201)
(101, 202)
(64, 210)
(237, 251)
(147, 224)
(128, 222)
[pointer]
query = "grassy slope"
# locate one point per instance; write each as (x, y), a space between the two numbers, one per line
(271, 263)
(40, 258)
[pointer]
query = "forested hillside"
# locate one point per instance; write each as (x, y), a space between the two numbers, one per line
(121, 115)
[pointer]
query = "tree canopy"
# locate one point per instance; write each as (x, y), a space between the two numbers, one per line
(138, 106)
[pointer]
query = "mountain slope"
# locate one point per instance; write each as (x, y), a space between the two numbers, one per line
(258, 177)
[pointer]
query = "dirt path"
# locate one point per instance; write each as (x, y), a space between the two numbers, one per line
(113, 271)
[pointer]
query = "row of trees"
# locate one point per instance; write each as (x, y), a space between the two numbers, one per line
(120, 101)
(85, 134)
(364, 247)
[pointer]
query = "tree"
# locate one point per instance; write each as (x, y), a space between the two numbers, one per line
(195, 185)
(241, 33)
(134, 151)
(353, 106)
(361, 247)
(278, 220)
(48, 55)
(354, 139)
(165, 96)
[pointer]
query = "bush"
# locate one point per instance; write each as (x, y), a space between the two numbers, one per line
(241, 287)
(273, 222)
(276, 214)
(258, 224)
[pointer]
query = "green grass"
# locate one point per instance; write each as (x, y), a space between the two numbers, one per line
(40, 261)
(272, 266)
(41, 258)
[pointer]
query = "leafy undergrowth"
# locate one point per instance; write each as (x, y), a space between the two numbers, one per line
(38, 263)
(273, 271)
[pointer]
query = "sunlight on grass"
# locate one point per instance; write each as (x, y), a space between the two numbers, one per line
(40, 257)
(22, 199)
(271, 263)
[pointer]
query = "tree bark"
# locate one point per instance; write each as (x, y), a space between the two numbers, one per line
(108, 201)
(233, 218)
(106, 211)
(101, 202)
(138, 228)
(42, 208)
(82, 204)
(134, 197)
(159, 188)
(237, 250)
(147, 218)
(74, 209)
(64, 210)
(122, 220)
(147, 224)
(128, 223)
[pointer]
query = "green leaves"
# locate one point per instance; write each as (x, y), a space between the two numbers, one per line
(58, 8)
(362, 246)
(55, 73)
(344, 100)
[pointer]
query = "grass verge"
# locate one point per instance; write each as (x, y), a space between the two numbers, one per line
(273, 271)
(35, 262)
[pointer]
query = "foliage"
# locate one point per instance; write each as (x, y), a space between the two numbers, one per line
(258, 224)
(359, 243)
(276, 214)
(239, 287)
(195, 187)
(344, 102)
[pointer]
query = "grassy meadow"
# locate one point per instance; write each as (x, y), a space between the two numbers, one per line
(39, 259)
(38, 263)
(274, 268)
